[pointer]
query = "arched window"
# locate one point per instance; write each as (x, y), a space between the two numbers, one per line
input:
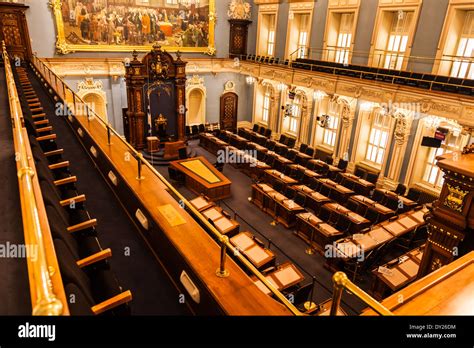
(295, 114)
(378, 140)
(330, 132)
(266, 104)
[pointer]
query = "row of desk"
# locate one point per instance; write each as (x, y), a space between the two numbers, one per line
(275, 204)
(284, 277)
(224, 224)
(380, 234)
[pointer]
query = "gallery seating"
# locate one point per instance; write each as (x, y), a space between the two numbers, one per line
(82, 261)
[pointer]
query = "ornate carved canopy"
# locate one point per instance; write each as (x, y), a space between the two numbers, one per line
(162, 77)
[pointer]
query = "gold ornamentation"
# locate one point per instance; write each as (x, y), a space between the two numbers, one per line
(239, 9)
(436, 264)
(454, 199)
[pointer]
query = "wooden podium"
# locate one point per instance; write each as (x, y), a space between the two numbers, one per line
(451, 220)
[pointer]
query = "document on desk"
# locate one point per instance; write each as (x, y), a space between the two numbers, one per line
(286, 276)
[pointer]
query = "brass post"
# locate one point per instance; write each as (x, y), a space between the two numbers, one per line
(310, 305)
(340, 280)
(139, 163)
(221, 271)
(108, 135)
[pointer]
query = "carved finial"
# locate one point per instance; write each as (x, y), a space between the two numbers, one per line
(135, 55)
(178, 56)
(468, 149)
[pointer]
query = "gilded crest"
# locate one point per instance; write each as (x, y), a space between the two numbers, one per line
(455, 198)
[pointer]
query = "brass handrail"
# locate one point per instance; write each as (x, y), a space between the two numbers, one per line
(352, 53)
(44, 299)
(39, 64)
(341, 282)
(343, 68)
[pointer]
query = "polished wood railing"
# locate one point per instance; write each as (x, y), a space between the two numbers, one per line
(341, 283)
(46, 287)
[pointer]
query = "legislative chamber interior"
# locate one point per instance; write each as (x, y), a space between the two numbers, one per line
(237, 157)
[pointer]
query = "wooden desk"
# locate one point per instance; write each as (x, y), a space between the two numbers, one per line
(257, 171)
(271, 201)
(238, 141)
(360, 185)
(223, 224)
(446, 291)
(303, 158)
(260, 257)
(308, 174)
(227, 226)
(202, 177)
(383, 211)
(396, 274)
(259, 192)
(286, 276)
(338, 192)
(359, 222)
(332, 169)
(316, 201)
(273, 175)
(406, 201)
(404, 224)
(280, 161)
(286, 211)
(201, 204)
(308, 224)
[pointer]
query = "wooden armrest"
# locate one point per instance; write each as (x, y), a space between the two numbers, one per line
(34, 117)
(77, 199)
(101, 255)
(65, 181)
(82, 226)
(38, 123)
(113, 302)
(59, 165)
(36, 109)
(54, 153)
(46, 137)
(44, 129)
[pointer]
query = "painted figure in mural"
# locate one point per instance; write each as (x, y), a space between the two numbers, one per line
(116, 22)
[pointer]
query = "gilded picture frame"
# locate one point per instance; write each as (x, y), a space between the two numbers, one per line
(65, 46)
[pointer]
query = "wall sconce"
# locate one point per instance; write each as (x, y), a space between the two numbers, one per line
(250, 80)
(366, 106)
(281, 86)
(319, 95)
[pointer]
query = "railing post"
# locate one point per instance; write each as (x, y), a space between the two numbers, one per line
(221, 271)
(310, 305)
(340, 280)
(139, 163)
(108, 135)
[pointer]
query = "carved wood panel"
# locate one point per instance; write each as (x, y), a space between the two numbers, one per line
(14, 30)
(229, 107)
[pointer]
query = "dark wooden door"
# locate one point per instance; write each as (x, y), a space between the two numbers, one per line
(228, 117)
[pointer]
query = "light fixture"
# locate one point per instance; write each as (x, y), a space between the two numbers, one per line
(281, 86)
(366, 106)
(250, 80)
(319, 95)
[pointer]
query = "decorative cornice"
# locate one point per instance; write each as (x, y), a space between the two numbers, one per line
(445, 105)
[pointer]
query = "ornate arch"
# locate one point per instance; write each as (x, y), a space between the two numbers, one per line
(196, 83)
(89, 88)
